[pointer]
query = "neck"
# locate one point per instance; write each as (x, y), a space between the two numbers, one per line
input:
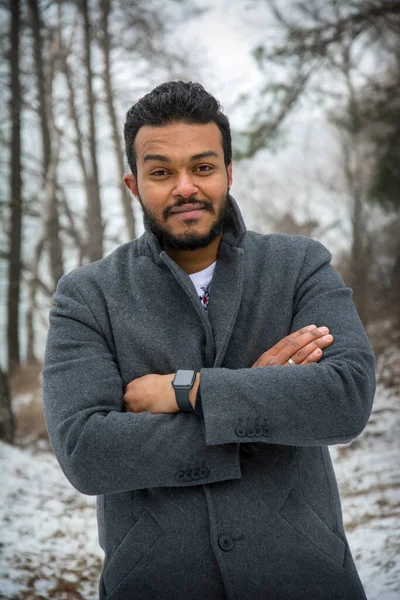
(193, 261)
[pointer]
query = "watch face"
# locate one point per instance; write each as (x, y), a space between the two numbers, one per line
(184, 378)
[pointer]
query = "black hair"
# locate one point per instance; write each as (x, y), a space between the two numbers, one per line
(170, 102)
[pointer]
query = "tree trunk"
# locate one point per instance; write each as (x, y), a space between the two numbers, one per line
(31, 303)
(93, 215)
(7, 423)
(40, 77)
(125, 197)
(56, 263)
(359, 258)
(14, 271)
(78, 144)
(354, 173)
(49, 234)
(72, 229)
(48, 131)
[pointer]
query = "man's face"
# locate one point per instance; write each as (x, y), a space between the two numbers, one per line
(180, 164)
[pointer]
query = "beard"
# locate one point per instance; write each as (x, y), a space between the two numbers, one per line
(189, 240)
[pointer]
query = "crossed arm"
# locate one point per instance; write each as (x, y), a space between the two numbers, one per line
(103, 449)
(155, 394)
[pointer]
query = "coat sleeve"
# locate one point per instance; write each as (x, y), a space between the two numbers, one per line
(319, 404)
(101, 448)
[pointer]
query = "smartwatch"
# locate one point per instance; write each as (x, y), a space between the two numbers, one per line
(182, 384)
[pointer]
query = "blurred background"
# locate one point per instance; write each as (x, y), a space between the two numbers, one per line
(311, 89)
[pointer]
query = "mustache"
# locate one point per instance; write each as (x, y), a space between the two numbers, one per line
(206, 206)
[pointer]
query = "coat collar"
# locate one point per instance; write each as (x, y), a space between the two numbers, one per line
(226, 286)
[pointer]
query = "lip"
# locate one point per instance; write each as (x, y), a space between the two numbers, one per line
(189, 214)
(187, 208)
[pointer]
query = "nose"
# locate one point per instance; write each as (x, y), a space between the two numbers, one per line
(185, 187)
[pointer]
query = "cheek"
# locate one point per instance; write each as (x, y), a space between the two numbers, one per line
(153, 191)
(217, 187)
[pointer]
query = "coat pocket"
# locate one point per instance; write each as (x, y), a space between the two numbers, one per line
(133, 548)
(303, 519)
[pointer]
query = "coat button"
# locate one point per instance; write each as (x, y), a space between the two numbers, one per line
(204, 473)
(225, 542)
(180, 475)
(240, 430)
(250, 431)
(187, 476)
(196, 473)
(258, 431)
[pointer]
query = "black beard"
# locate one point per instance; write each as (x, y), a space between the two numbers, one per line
(192, 240)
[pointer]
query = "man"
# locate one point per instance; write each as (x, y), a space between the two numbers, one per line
(192, 384)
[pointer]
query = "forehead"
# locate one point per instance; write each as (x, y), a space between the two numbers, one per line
(178, 140)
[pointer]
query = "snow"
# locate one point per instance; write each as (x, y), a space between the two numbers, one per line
(49, 543)
(369, 479)
(49, 537)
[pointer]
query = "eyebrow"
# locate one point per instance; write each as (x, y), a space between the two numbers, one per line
(162, 158)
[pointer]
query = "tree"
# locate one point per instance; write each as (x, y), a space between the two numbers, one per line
(71, 106)
(7, 425)
(14, 268)
(105, 43)
(330, 38)
(94, 222)
(49, 232)
(313, 37)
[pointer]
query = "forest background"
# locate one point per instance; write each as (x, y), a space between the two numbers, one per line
(311, 90)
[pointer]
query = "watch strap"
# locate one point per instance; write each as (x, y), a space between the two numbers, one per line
(198, 407)
(182, 400)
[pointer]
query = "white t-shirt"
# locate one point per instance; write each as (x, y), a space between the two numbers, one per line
(202, 282)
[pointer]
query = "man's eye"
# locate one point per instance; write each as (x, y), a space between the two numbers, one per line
(204, 168)
(159, 172)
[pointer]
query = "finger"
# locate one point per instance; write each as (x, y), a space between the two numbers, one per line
(297, 345)
(313, 357)
(294, 341)
(320, 343)
(290, 338)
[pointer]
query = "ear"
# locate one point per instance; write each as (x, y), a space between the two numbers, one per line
(229, 171)
(131, 184)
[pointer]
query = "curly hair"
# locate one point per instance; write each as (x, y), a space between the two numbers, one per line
(175, 101)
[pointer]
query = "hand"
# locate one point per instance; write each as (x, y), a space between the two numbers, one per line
(303, 347)
(151, 393)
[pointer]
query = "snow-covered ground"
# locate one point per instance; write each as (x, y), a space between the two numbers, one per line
(49, 546)
(368, 473)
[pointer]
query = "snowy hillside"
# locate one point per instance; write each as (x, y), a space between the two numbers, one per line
(49, 546)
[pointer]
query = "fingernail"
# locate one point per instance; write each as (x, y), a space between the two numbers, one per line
(323, 329)
(327, 338)
(310, 327)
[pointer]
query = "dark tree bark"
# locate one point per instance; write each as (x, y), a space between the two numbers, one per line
(40, 77)
(49, 235)
(105, 42)
(7, 423)
(44, 237)
(78, 132)
(94, 217)
(81, 242)
(14, 272)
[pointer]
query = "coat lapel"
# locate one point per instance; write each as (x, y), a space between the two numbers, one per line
(226, 285)
(225, 297)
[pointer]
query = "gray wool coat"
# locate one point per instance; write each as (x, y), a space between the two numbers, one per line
(244, 504)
